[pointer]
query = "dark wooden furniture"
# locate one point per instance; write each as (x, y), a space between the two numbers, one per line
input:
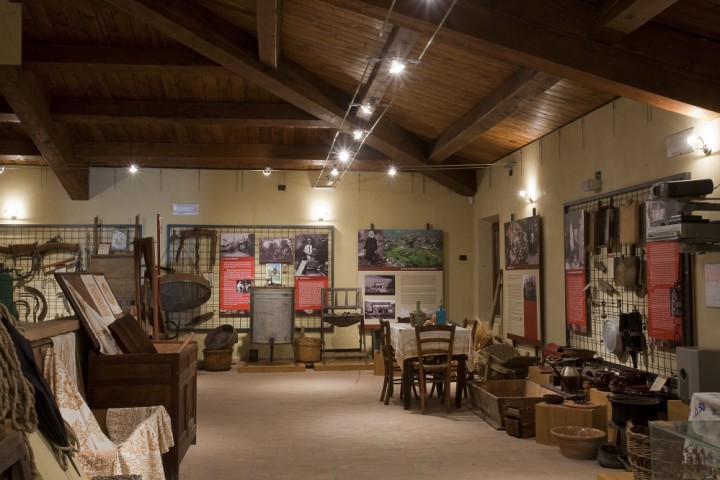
(167, 378)
(14, 462)
(342, 307)
(435, 358)
(390, 365)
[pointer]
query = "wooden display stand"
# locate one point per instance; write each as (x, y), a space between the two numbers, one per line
(167, 378)
(549, 416)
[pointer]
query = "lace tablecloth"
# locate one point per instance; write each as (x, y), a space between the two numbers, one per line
(402, 338)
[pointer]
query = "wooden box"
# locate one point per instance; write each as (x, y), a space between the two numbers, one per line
(494, 396)
(677, 410)
(167, 378)
(549, 416)
(520, 422)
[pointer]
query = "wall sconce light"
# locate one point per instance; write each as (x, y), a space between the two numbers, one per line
(133, 168)
(2, 169)
(267, 171)
(697, 142)
(526, 196)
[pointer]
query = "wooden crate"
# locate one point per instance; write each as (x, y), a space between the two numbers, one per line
(167, 378)
(493, 397)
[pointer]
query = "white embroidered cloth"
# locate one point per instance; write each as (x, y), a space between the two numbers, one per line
(402, 338)
(138, 436)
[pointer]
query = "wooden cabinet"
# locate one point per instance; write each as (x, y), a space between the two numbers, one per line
(167, 378)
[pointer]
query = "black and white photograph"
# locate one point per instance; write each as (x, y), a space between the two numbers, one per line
(370, 248)
(575, 240)
(311, 254)
(276, 250)
(237, 245)
(379, 285)
(384, 309)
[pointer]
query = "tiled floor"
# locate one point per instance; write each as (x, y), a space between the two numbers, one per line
(330, 425)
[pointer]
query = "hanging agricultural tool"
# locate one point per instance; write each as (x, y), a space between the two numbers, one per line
(197, 234)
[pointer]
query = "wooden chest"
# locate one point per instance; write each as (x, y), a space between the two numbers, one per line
(167, 378)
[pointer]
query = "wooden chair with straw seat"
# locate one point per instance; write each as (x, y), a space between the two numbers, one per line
(434, 342)
(390, 365)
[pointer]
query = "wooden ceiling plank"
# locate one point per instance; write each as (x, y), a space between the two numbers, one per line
(115, 111)
(225, 44)
(518, 90)
(14, 147)
(526, 41)
(25, 96)
(618, 18)
(269, 27)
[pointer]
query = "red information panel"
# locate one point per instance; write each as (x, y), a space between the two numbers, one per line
(236, 274)
(308, 292)
(575, 299)
(663, 276)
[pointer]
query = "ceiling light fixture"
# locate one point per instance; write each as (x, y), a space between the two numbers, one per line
(335, 172)
(397, 65)
(133, 168)
(392, 171)
(267, 171)
(344, 155)
(358, 134)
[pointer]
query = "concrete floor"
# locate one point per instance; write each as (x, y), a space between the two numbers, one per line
(330, 425)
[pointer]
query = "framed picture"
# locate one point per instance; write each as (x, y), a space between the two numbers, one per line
(119, 240)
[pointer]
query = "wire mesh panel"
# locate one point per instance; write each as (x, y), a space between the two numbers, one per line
(31, 254)
(279, 255)
(606, 300)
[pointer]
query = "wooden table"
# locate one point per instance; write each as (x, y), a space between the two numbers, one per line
(404, 342)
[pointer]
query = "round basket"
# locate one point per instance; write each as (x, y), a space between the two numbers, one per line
(183, 291)
(308, 349)
(218, 360)
(221, 337)
(667, 455)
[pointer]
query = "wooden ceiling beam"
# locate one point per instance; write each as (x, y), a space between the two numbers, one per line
(93, 59)
(53, 140)
(269, 26)
(618, 18)
(515, 31)
(215, 156)
(518, 90)
(399, 45)
(184, 113)
(206, 33)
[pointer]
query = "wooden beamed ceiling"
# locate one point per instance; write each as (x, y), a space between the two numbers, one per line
(192, 85)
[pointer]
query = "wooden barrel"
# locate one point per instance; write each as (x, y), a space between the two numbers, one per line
(308, 349)
(218, 360)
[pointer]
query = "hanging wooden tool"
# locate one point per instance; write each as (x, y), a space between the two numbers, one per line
(145, 253)
(496, 299)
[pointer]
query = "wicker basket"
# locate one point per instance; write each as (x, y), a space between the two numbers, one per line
(307, 349)
(666, 454)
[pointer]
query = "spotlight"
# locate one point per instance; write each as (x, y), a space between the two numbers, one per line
(133, 168)
(358, 134)
(344, 155)
(396, 66)
(2, 169)
(267, 171)
(697, 142)
(334, 172)
(392, 171)
(526, 196)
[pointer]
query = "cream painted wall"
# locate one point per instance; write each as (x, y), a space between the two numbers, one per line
(407, 201)
(626, 141)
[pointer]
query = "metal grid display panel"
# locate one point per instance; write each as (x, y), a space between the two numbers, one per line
(37, 271)
(196, 257)
(658, 357)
